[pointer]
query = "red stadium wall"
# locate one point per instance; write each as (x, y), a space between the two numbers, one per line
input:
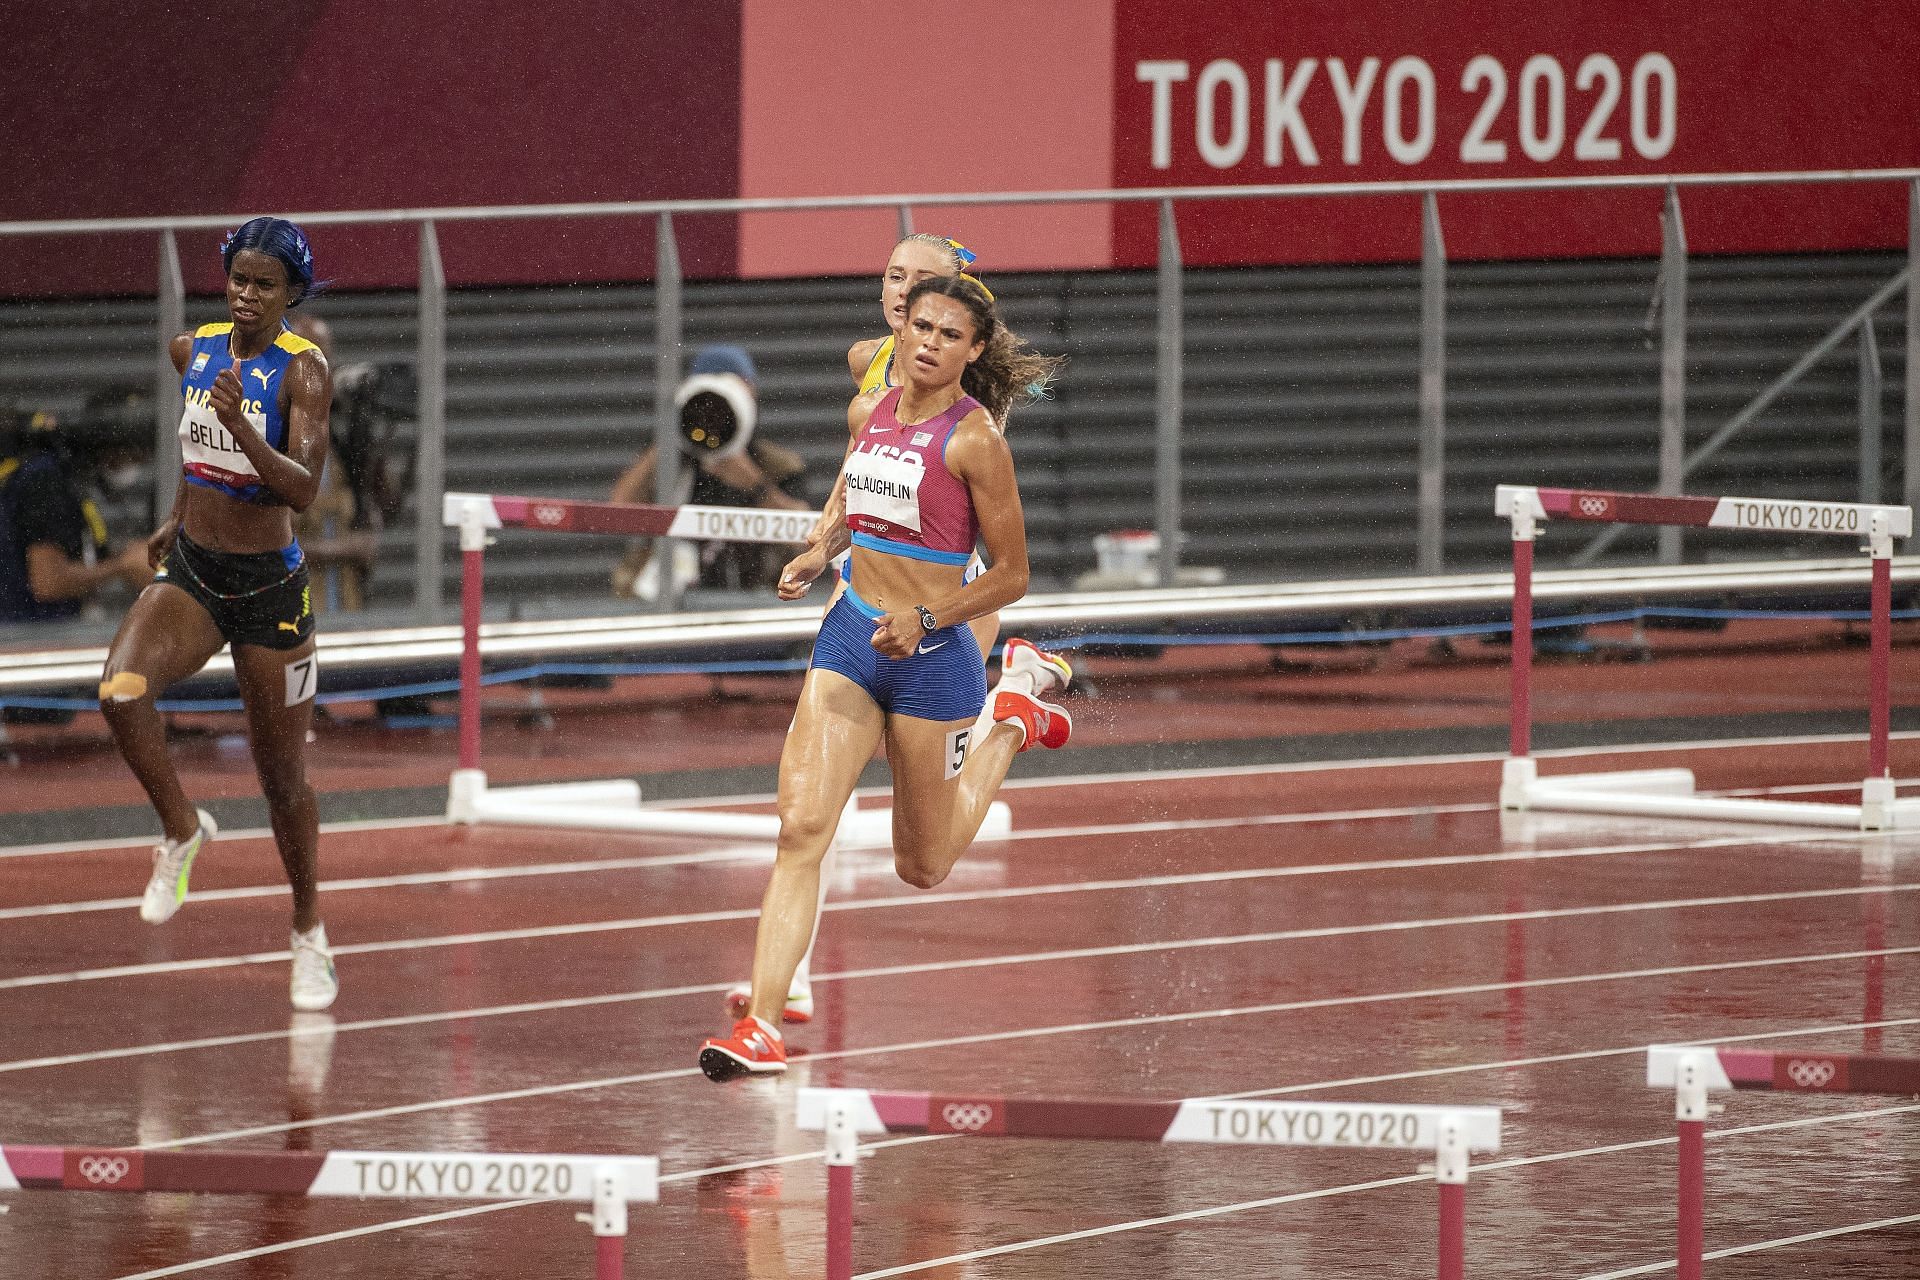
(998, 95)
(223, 107)
(1247, 92)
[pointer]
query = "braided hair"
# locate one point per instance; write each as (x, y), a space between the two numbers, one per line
(277, 238)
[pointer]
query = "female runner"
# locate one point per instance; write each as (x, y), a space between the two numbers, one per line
(253, 440)
(871, 364)
(928, 473)
(918, 257)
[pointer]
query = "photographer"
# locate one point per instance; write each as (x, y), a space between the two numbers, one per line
(53, 540)
(731, 468)
(340, 532)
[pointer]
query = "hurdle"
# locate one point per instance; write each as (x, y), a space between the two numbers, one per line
(614, 805)
(1450, 1133)
(1670, 792)
(610, 1183)
(1693, 1072)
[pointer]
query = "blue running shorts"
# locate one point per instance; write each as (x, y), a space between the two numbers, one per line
(945, 679)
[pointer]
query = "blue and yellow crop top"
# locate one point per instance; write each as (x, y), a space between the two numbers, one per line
(875, 378)
(211, 457)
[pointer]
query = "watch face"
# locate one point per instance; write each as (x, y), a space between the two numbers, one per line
(926, 619)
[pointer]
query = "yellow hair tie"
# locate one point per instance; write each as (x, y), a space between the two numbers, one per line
(974, 280)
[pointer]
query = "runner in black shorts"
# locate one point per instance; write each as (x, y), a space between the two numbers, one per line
(265, 598)
(253, 441)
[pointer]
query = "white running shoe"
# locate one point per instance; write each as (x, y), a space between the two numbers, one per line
(1045, 672)
(172, 861)
(314, 983)
(799, 1007)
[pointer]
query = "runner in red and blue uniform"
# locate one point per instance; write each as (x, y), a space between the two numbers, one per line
(929, 472)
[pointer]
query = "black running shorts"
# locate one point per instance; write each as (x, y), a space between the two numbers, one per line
(263, 598)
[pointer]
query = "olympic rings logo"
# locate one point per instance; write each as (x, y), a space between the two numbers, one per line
(1814, 1073)
(548, 514)
(967, 1117)
(104, 1171)
(1591, 506)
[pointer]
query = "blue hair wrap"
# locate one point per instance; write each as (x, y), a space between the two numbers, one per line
(277, 238)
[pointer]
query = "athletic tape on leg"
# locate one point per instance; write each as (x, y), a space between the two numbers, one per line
(123, 686)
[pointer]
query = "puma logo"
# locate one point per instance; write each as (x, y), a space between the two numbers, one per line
(290, 626)
(262, 375)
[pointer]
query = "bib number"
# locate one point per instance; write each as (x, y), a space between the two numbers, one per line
(957, 741)
(303, 679)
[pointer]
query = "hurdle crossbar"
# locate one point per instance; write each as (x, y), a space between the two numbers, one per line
(610, 1183)
(614, 805)
(1670, 792)
(1451, 1133)
(1694, 1071)
(1793, 1071)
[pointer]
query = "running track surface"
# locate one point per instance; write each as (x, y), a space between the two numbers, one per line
(1372, 931)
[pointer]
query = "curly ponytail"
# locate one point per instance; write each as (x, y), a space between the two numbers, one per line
(1008, 371)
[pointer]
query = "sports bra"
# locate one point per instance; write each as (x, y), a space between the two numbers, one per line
(901, 498)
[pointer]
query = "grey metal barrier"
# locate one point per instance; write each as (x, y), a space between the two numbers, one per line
(1675, 462)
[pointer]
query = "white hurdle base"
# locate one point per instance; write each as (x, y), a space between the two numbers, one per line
(615, 806)
(1669, 793)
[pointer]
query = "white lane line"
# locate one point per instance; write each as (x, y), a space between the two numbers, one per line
(932, 899)
(1771, 833)
(345, 827)
(332, 1237)
(1445, 758)
(763, 1162)
(458, 875)
(1479, 1170)
(945, 966)
(1095, 779)
(981, 962)
(1350, 1188)
(1550, 1059)
(733, 853)
(685, 1175)
(1035, 1033)
(1142, 1224)
(1654, 1268)
(237, 833)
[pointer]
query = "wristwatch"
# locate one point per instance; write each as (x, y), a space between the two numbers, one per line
(926, 618)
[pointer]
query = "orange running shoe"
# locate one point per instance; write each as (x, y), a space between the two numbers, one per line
(750, 1050)
(1041, 723)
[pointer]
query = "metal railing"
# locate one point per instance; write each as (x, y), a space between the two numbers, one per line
(1675, 462)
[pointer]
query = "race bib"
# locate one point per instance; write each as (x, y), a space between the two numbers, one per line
(208, 449)
(885, 488)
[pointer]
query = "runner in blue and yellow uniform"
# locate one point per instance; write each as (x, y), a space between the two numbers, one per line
(253, 441)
